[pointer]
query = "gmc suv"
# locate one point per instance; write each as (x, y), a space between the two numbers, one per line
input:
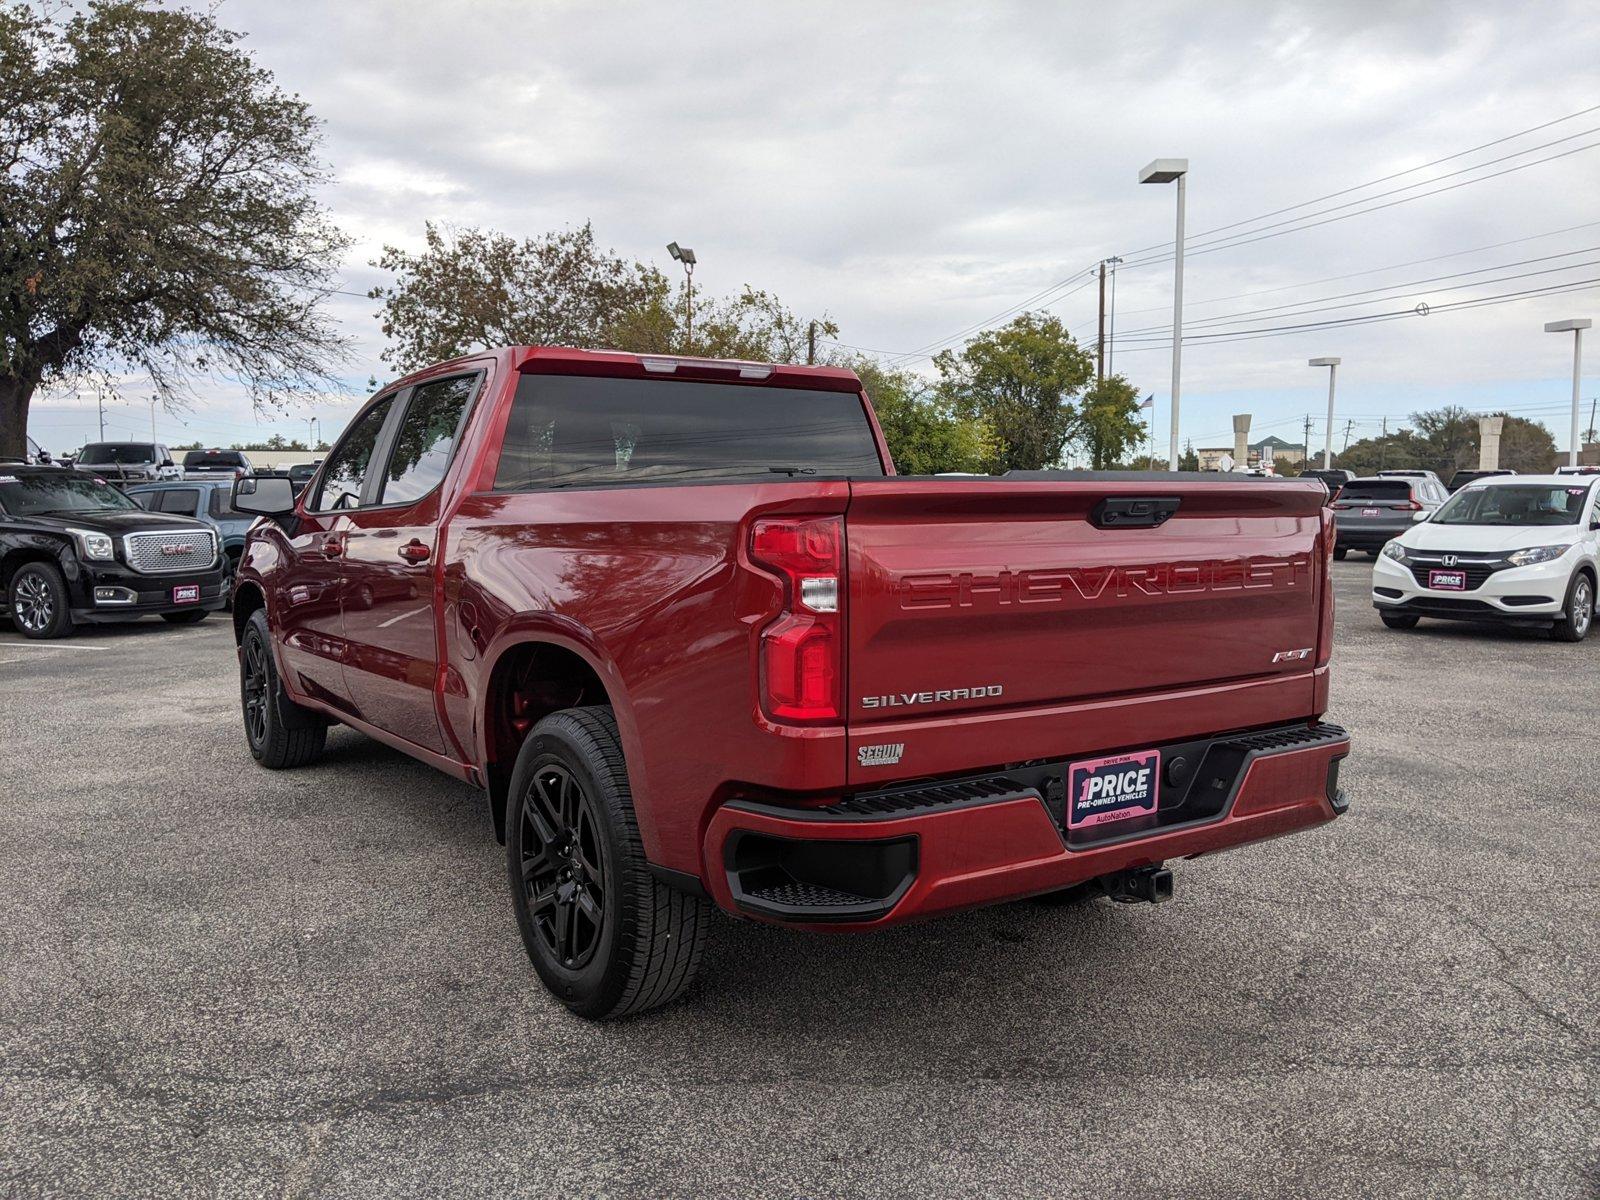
(703, 648)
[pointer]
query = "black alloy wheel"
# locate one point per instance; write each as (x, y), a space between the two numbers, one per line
(253, 688)
(563, 871)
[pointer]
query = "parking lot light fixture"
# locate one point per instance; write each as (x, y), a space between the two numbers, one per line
(1575, 327)
(1333, 371)
(1173, 170)
(686, 256)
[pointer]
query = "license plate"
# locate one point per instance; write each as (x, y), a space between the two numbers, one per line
(1369, 512)
(1112, 789)
(1448, 581)
(186, 593)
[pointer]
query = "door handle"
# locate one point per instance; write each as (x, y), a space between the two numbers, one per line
(414, 551)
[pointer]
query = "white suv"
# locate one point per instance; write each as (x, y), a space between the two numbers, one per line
(1517, 549)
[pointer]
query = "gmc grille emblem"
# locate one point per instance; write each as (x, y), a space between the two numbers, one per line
(175, 548)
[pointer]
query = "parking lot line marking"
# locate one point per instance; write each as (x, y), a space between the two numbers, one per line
(44, 646)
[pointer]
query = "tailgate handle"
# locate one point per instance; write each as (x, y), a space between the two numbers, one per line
(1133, 512)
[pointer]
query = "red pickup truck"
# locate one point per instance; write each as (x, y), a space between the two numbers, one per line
(701, 646)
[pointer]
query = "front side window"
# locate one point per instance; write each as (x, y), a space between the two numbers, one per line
(1529, 504)
(24, 495)
(347, 465)
(567, 430)
(178, 500)
(426, 436)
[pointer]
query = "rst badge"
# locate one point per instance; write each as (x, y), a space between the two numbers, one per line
(885, 755)
(1113, 789)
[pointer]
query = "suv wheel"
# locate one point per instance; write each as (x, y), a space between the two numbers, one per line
(1396, 620)
(280, 732)
(1340, 553)
(38, 601)
(606, 937)
(1574, 627)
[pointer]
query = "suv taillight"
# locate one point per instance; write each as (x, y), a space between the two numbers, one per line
(1412, 506)
(802, 649)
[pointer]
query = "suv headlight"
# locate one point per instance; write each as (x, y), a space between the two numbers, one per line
(93, 544)
(1536, 554)
(1395, 551)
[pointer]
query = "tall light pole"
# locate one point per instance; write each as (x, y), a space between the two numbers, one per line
(1575, 327)
(311, 432)
(1333, 374)
(1173, 170)
(686, 256)
(1111, 337)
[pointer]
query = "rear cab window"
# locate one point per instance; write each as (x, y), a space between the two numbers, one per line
(594, 431)
(213, 458)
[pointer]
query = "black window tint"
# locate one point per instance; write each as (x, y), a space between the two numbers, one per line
(426, 436)
(590, 430)
(221, 503)
(147, 500)
(1377, 489)
(178, 500)
(347, 466)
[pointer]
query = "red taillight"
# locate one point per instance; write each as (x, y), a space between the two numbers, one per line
(802, 652)
(1411, 506)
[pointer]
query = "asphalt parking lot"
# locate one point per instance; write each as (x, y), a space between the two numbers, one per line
(222, 980)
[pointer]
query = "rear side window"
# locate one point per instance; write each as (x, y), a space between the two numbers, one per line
(347, 465)
(177, 500)
(579, 431)
(1377, 489)
(426, 437)
(221, 503)
(214, 458)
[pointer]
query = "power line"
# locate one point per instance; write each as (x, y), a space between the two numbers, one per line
(1583, 112)
(1243, 240)
(1154, 331)
(924, 351)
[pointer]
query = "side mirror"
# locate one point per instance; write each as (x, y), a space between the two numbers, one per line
(263, 496)
(1420, 516)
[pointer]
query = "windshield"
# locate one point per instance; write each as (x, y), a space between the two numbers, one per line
(117, 452)
(1514, 504)
(59, 492)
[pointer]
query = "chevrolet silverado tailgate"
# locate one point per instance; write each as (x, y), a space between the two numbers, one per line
(977, 596)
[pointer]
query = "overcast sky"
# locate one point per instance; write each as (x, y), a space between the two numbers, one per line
(915, 169)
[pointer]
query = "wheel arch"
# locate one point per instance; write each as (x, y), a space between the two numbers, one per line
(531, 677)
(17, 557)
(247, 598)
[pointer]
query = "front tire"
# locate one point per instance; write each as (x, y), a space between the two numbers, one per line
(606, 937)
(1340, 553)
(1574, 627)
(1396, 620)
(281, 734)
(38, 601)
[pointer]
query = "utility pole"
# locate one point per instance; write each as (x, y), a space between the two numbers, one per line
(152, 420)
(1100, 340)
(1348, 426)
(1383, 446)
(1111, 334)
(1305, 447)
(811, 344)
(100, 399)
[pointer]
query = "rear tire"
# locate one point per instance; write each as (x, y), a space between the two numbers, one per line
(281, 734)
(1574, 627)
(1340, 553)
(38, 602)
(1399, 620)
(607, 938)
(191, 616)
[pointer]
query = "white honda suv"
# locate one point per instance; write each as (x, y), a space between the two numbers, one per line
(1512, 549)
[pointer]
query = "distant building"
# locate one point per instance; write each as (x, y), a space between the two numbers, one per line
(1268, 449)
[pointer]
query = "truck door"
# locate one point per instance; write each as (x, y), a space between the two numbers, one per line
(390, 552)
(309, 604)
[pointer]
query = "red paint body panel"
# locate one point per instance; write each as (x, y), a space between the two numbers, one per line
(1096, 641)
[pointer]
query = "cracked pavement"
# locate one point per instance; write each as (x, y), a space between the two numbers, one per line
(226, 981)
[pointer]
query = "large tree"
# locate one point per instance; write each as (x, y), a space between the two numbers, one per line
(924, 436)
(1446, 440)
(469, 288)
(1109, 423)
(157, 210)
(1021, 379)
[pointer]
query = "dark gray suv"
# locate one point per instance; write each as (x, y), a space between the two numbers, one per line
(1369, 512)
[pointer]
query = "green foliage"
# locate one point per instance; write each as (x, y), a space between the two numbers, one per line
(1109, 422)
(158, 209)
(924, 436)
(473, 288)
(1445, 441)
(1020, 379)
